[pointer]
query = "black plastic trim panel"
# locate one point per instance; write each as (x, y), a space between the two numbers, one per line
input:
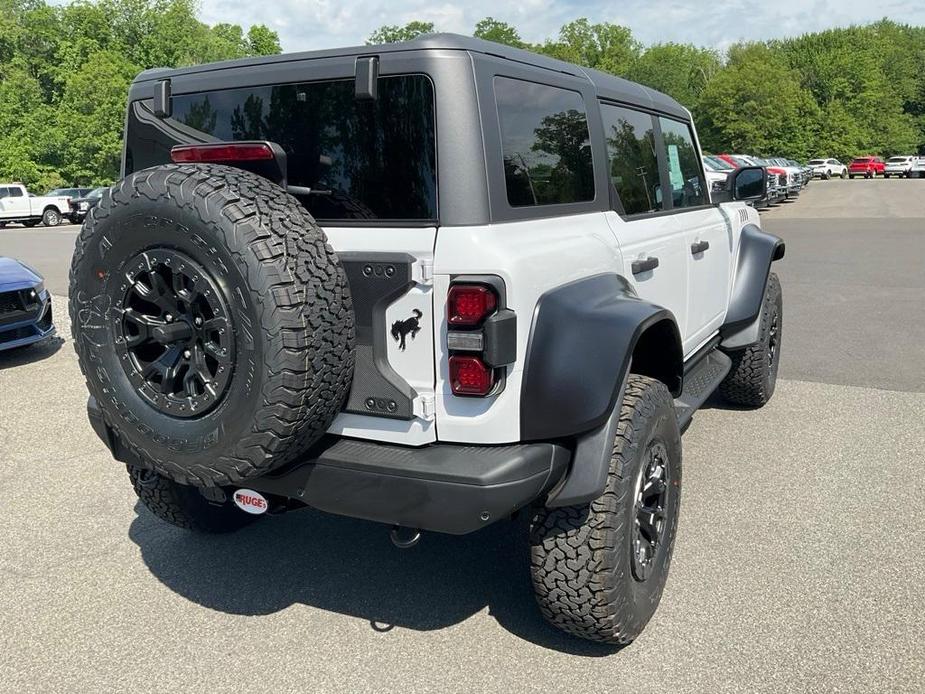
(757, 250)
(580, 346)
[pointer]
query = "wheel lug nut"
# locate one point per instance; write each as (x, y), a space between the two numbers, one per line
(168, 318)
(198, 321)
(187, 354)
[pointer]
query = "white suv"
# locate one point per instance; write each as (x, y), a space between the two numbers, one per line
(899, 166)
(429, 284)
(826, 168)
(917, 170)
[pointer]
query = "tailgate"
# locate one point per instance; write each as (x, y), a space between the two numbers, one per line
(390, 276)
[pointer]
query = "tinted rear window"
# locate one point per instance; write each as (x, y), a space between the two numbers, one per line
(363, 160)
(546, 144)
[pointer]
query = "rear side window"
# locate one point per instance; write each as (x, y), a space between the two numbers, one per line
(633, 164)
(15, 192)
(545, 142)
(684, 175)
(363, 160)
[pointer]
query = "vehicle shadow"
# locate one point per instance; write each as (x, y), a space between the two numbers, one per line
(19, 356)
(350, 567)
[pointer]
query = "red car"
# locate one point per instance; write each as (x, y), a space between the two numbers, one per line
(868, 167)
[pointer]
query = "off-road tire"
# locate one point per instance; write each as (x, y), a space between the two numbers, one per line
(286, 301)
(582, 556)
(185, 507)
(51, 217)
(753, 376)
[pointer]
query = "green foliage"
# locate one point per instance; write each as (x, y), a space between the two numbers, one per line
(605, 46)
(395, 34)
(65, 72)
(492, 29)
(680, 70)
(757, 105)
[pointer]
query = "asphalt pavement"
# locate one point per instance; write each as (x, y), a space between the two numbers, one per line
(799, 564)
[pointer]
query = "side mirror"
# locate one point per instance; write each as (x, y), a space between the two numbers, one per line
(748, 183)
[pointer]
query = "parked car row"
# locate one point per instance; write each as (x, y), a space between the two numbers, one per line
(785, 178)
(903, 166)
(18, 205)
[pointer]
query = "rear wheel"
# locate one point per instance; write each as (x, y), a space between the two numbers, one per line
(753, 376)
(186, 507)
(599, 569)
(844, 174)
(51, 217)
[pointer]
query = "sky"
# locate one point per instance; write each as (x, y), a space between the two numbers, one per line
(310, 24)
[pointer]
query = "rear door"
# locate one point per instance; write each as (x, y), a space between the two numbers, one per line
(653, 249)
(17, 202)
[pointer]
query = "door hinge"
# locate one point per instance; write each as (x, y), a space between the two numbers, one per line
(425, 407)
(425, 272)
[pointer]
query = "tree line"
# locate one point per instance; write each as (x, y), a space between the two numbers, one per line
(838, 93)
(65, 72)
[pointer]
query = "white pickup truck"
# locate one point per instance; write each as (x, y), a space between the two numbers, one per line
(16, 205)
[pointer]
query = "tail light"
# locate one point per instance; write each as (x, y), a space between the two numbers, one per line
(469, 304)
(224, 151)
(481, 337)
(470, 376)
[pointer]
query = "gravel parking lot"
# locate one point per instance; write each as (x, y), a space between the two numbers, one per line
(799, 565)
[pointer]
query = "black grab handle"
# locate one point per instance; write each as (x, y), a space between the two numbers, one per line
(640, 266)
(699, 247)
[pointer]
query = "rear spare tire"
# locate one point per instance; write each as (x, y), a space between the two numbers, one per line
(212, 322)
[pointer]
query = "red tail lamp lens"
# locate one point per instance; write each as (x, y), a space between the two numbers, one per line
(470, 376)
(251, 151)
(468, 304)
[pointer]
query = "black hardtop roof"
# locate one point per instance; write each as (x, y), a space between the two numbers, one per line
(607, 86)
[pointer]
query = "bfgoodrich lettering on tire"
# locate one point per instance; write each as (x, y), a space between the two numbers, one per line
(599, 569)
(212, 322)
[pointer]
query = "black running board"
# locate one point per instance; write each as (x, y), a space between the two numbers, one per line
(699, 383)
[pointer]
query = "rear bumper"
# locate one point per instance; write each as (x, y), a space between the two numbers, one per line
(441, 487)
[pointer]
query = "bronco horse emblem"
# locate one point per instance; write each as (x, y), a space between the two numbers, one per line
(410, 326)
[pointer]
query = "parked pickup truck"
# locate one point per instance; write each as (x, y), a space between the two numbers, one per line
(16, 205)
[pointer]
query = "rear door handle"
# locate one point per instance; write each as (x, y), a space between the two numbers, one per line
(699, 247)
(640, 266)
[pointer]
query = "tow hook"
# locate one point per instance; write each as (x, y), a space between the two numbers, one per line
(404, 538)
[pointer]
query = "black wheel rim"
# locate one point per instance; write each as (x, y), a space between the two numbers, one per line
(650, 511)
(773, 339)
(174, 334)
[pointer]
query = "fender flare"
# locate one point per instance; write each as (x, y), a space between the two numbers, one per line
(581, 342)
(757, 250)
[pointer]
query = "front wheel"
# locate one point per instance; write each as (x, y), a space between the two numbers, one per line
(599, 569)
(844, 175)
(828, 175)
(51, 217)
(886, 175)
(753, 376)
